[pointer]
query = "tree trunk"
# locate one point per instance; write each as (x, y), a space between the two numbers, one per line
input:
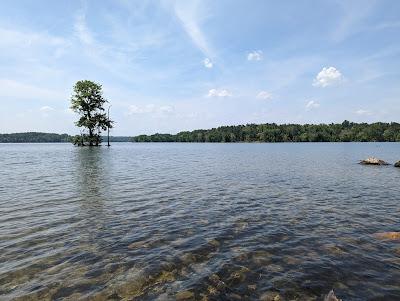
(90, 137)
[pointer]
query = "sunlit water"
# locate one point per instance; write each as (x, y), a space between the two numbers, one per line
(198, 222)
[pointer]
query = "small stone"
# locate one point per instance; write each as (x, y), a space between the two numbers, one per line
(185, 295)
(188, 258)
(252, 287)
(214, 278)
(331, 297)
(333, 249)
(165, 276)
(397, 164)
(291, 260)
(214, 243)
(274, 268)
(240, 226)
(261, 257)
(270, 296)
(138, 245)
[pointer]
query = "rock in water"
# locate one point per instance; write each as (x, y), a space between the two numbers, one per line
(397, 164)
(331, 297)
(373, 161)
(388, 235)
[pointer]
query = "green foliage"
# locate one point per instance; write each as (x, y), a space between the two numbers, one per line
(271, 132)
(34, 137)
(88, 101)
(78, 140)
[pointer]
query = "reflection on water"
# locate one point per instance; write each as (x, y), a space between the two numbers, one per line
(198, 222)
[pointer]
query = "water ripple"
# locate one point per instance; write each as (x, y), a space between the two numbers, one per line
(198, 222)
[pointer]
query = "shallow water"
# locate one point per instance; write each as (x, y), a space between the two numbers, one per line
(198, 222)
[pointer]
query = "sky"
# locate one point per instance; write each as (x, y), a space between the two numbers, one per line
(167, 66)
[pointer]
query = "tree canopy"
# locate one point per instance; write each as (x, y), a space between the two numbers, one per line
(87, 100)
(271, 132)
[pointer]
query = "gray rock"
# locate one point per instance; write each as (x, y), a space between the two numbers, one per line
(397, 164)
(373, 161)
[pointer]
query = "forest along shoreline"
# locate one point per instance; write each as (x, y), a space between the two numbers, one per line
(269, 132)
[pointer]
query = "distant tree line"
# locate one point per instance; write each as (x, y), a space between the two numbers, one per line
(37, 137)
(271, 132)
(33, 137)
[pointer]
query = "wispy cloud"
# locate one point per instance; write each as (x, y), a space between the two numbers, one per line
(312, 104)
(81, 29)
(46, 109)
(150, 109)
(363, 112)
(354, 13)
(187, 13)
(219, 93)
(19, 90)
(22, 39)
(264, 95)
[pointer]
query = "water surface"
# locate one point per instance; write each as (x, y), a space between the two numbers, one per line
(198, 222)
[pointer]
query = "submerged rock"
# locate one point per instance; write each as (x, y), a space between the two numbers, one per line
(271, 296)
(185, 295)
(331, 297)
(397, 164)
(388, 235)
(373, 161)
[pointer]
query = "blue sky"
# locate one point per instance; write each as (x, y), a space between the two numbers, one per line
(168, 66)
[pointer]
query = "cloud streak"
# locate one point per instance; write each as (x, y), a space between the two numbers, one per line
(187, 13)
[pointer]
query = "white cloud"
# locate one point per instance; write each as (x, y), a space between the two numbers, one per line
(327, 76)
(219, 93)
(363, 112)
(312, 105)
(150, 109)
(264, 95)
(256, 55)
(207, 63)
(46, 109)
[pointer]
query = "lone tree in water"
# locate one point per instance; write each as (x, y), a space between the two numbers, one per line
(87, 100)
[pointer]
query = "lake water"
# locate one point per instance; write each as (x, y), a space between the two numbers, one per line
(198, 222)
